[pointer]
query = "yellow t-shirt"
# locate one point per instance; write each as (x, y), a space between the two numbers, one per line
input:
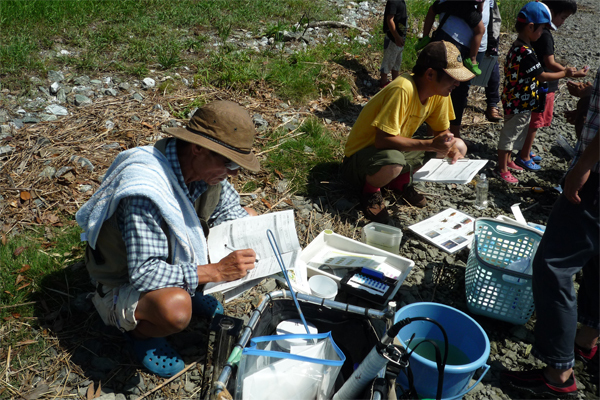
(397, 110)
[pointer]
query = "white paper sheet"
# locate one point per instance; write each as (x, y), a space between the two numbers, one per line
(449, 230)
(252, 233)
(440, 170)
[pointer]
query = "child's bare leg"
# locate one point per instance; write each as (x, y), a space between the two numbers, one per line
(429, 20)
(384, 79)
(528, 144)
(503, 160)
(478, 32)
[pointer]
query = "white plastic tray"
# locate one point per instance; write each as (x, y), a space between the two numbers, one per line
(330, 240)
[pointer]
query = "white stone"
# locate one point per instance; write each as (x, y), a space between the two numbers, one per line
(149, 82)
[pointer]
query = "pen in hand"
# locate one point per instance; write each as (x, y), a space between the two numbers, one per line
(227, 246)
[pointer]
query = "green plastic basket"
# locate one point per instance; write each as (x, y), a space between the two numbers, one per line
(491, 289)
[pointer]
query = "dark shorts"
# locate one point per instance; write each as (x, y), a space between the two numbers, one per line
(465, 10)
(370, 160)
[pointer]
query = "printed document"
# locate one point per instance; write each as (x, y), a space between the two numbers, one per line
(251, 233)
(440, 170)
(449, 230)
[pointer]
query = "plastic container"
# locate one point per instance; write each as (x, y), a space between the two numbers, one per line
(384, 237)
(492, 288)
(464, 334)
(323, 286)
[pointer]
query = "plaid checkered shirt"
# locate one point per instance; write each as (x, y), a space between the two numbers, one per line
(139, 220)
(591, 125)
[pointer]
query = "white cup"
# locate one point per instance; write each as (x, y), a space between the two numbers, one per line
(323, 286)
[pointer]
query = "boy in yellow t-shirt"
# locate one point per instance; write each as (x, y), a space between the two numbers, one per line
(381, 152)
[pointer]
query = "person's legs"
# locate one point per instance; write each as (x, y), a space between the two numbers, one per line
(538, 120)
(555, 264)
(492, 95)
(162, 312)
(472, 63)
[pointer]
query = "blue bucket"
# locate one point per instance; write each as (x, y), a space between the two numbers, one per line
(463, 332)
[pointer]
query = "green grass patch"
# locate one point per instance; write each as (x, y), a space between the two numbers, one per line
(299, 152)
(116, 32)
(509, 9)
(29, 259)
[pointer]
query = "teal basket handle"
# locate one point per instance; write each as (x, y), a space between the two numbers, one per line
(486, 368)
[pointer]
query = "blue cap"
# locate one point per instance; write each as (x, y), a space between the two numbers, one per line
(534, 12)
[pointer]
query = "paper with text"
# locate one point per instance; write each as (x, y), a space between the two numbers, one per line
(440, 170)
(251, 233)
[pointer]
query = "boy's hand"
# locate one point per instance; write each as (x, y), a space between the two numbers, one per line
(400, 42)
(570, 72)
(581, 73)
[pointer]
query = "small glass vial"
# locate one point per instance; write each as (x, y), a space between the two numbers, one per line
(481, 192)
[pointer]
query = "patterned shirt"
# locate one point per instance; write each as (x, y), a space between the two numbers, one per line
(147, 246)
(520, 92)
(591, 125)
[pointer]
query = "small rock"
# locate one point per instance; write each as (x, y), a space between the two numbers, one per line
(124, 86)
(81, 80)
(81, 100)
(47, 172)
(30, 119)
(56, 110)
(137, 96)
(148, 83)
(82, 162)
(55, 76)
(54, 87)
(6, 150)
(110, 92)
(48, 117)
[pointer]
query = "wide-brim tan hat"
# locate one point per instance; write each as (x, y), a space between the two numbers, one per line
(225, 128)
(444, 55)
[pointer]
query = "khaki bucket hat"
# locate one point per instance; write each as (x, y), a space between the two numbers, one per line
(444, 55)
(225, 128)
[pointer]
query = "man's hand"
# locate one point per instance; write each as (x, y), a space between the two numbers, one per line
(400, 41)
(454, 153)
(443, 142)
(579, 89)
(574, 182)
(234, 266)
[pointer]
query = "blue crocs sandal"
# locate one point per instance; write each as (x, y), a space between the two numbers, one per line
(157, 355)
(206, 306)
(529, 165)
(535, 157)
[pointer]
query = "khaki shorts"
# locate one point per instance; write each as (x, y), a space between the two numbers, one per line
(514, 131)
(392, 57)
(117, 306)
(370, 160)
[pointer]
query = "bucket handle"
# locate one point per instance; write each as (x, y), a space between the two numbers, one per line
(460, 396)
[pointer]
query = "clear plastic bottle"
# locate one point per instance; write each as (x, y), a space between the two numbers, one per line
(481, 192)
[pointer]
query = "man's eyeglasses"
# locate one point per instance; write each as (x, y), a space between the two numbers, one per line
(230, 165)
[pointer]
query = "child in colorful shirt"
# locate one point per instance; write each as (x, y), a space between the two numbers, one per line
(544, 50)
(522, 76)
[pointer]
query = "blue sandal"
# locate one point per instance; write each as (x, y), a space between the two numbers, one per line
(528, 165)
(206, 306)
(157, 355)
(535, 157)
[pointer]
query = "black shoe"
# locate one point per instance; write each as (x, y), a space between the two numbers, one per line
(535, 382)
(374, 207)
